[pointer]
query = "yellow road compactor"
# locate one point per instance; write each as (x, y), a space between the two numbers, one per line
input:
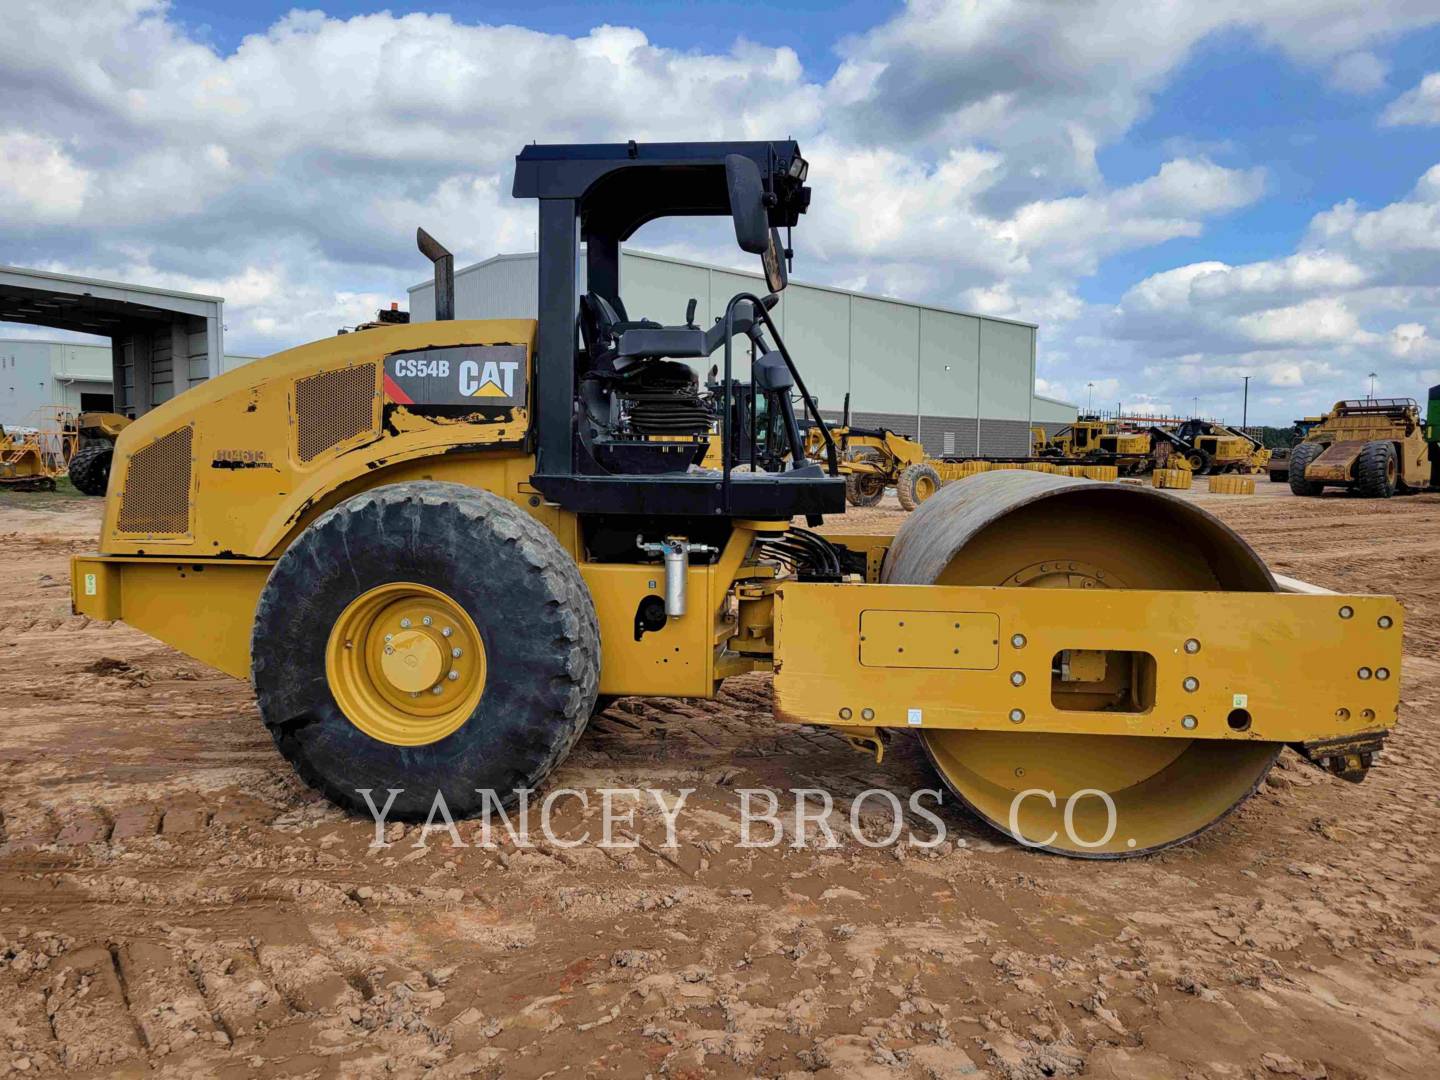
(435, 547)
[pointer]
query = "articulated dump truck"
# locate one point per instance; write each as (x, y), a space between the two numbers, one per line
(435, 548)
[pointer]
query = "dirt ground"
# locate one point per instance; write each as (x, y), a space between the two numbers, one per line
(173, 902)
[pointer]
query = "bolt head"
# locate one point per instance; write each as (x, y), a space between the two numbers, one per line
(447, 632)
(389, 649)
(1191, 684)
(1346, 612)
(867, 714)
(389, 637)
(1192, 646)
(1017, 641)
(427, 620)
(453, 676)
(1382, 673)
(845, 714)
(456, 652)
(404, 624)
(1384, 622)
(1017, 716)
(1017, 678)
(436, 689)
(1364, 673)
(1188, 723)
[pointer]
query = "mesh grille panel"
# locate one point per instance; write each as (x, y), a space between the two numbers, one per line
(332, 407)
(157, 487)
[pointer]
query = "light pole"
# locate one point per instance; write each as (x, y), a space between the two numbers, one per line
(1245, 408)
(1196, 410)
(1089, 397)
(1372, 386)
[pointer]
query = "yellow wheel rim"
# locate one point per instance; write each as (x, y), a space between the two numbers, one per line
(924, 488)
(406, 664)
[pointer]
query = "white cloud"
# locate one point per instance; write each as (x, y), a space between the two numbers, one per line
(38, 180)
(1359, 73)
(956, 155)
(1360, 294)
(1418, 105)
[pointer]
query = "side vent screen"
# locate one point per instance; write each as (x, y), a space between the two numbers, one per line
(156, 499)
(332, 407)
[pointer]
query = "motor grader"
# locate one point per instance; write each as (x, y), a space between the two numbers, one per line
(873, 459)
(1376, 447)
(434, 547)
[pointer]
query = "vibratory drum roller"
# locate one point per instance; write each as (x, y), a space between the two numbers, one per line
(1036, 530)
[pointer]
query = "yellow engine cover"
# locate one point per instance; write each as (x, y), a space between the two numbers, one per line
(236, 465)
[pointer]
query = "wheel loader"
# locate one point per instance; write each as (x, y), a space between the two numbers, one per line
(95, 450)
(434, 547)
(1375, 447)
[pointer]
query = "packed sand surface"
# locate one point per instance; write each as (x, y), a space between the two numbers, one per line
(175, 903)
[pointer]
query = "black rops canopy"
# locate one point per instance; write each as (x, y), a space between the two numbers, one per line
(610, 190)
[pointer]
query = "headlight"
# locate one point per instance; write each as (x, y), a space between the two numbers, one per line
(799, 168)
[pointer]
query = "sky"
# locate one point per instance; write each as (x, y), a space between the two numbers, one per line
(1180, 195)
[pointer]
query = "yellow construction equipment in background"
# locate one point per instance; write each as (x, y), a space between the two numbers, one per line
(1373, 446)
(23, 464)
(434, 547)
(96, 433)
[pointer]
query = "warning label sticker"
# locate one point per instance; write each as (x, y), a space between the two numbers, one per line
(480, 376)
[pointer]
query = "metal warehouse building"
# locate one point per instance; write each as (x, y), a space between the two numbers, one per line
(162, 342)
(35, 374)
(964, 382)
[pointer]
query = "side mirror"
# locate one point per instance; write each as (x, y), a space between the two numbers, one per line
(747, 203)
(776, 276)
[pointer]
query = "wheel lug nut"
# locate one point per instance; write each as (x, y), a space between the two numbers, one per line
(436, 689)
(456, 652)
(447, 631)
(427, 620)
(389, 637)
(404, 624)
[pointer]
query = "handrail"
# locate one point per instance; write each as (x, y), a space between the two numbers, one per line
(813, 410)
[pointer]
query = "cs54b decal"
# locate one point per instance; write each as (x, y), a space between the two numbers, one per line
(478, 376)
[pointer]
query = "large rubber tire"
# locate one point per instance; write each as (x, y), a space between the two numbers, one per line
(916, 484)
(863, 489)
(520, 588)
(90, 468)
(1376, 470)
(1300, 459)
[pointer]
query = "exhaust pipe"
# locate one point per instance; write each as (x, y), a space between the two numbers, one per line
(444, 262)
